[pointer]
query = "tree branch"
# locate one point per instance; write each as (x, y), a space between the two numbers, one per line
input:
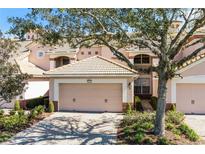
(195, 42)
(200, 23)
(182, 28)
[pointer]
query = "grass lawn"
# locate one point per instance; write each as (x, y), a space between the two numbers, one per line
(137, 128)
(17, 121)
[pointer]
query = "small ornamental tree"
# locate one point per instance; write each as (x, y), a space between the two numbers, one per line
(120, 29)
(11, 78)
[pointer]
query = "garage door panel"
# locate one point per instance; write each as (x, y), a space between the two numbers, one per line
(91, 97)
(190, 98)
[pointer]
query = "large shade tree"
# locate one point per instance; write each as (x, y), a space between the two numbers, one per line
(118, 29)
(11, 78)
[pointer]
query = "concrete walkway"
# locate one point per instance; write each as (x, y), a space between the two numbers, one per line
(72, 128)
(197, 123)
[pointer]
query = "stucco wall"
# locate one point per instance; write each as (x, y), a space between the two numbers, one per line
(85, 51)
(40, 62)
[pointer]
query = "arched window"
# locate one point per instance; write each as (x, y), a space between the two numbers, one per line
(60, 61)
(142, 59)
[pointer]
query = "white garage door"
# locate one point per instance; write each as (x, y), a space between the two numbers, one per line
(90, 97)
(190, 98)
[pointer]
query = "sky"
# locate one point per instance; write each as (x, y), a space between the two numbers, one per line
(11, 12)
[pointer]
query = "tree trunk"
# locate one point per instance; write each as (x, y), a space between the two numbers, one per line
(161, 105)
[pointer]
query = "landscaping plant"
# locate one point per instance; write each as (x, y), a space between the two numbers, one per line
(17, 105)
(12, 112)
(137, 128)
(138, 103)
(1, 112)
(129, 110)
(51, 107)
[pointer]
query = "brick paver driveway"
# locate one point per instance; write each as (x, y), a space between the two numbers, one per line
(72, 128)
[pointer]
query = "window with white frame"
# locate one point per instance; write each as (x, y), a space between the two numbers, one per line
(142, 86)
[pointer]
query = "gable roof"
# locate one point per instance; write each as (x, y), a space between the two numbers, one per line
(93, 66)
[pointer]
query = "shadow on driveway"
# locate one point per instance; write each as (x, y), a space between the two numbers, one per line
(71, 128)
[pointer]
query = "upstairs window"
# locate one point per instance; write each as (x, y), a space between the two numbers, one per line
(60, 61)
(142, 59)
(96, 52)
(65, 61)
(89, 53)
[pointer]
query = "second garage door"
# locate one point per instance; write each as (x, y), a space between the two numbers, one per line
(90, 97)
(190, 98)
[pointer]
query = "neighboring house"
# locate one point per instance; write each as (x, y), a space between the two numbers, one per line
(93, 79)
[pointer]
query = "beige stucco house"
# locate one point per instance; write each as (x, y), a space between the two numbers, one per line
(93, 79)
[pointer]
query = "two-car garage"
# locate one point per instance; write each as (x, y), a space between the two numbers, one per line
(94, 84)
(99, 97)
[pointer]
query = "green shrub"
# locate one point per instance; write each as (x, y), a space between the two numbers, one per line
(176, 131)
(174, 117)
(188, 132)
(4, 136)
(21, 112)
(138, 118)
(153, 102)
(138, 104)
(127, 131)
(33, 114)
(12, 112)
(17, 105)
(40, 109)
(148, 140)
(163, 141)
(147, 125)
(1, 112)
(51, 106)
(139, 137)
(169, 126)
(10, 123)
(129, 110)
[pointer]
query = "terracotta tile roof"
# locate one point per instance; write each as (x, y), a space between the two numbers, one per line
(193, 60)
(92, 66)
